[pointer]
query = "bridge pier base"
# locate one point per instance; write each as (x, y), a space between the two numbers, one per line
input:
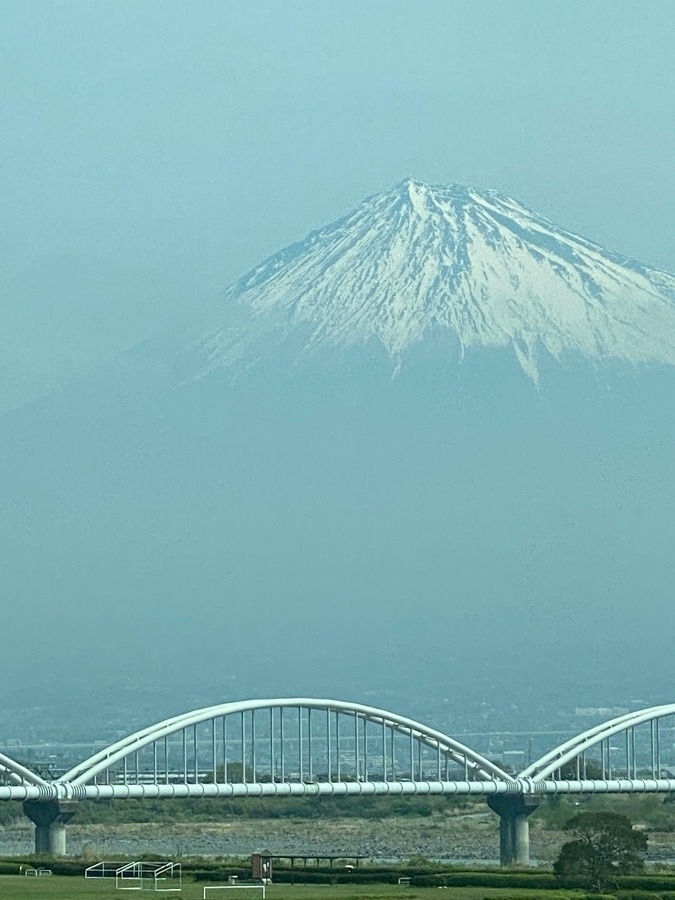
(50, 820)
(514, 829)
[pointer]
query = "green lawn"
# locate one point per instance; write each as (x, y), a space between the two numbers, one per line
(16, 887)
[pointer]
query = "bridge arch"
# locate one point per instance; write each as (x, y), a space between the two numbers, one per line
(289, 719)
(18, 774)
(648, 751)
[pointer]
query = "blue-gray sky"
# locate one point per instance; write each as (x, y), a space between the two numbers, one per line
(151, 151)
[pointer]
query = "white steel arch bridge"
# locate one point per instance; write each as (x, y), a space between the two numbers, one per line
(312, 747)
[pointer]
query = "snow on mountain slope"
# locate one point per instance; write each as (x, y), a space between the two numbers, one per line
(475, 265)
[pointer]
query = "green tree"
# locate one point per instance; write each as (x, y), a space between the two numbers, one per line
(593, 770)
(235, 774)
(605, 845)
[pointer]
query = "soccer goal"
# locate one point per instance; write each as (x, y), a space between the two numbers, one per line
(162, 877)
(232, 887)
(103, 869)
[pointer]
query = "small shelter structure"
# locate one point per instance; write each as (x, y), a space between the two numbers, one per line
(261, 863)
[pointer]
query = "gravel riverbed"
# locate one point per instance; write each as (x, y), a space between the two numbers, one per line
(463, 839)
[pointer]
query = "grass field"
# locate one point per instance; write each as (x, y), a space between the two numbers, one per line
(60, 887)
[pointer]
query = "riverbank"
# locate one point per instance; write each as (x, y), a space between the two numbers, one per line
(438, 837)
(469, 839)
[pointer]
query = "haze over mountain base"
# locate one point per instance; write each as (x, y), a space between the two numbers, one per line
(337, 530)
(426, 451)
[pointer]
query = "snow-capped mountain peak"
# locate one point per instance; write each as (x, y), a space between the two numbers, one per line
(474, 265)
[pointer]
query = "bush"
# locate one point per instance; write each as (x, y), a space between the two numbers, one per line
(550, 895)
(218, 809)
(638, 895)
(9, 868)
(648, 883)
(10, 813)
(540, 880)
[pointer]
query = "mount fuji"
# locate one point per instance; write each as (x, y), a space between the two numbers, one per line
(475, 269)
(258, 499)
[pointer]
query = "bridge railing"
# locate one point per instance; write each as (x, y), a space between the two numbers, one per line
(285, 741)
(12, 772)
(258, 747)
(636, 745)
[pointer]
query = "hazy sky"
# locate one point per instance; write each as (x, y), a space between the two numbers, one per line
(151, 151)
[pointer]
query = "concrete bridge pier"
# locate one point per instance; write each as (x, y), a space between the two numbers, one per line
(514, 829)
(50, 824)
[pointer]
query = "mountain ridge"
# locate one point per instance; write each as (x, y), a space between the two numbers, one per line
(476, 266)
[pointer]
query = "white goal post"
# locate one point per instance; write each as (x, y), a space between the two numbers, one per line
(163, 877)
(233, 887)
